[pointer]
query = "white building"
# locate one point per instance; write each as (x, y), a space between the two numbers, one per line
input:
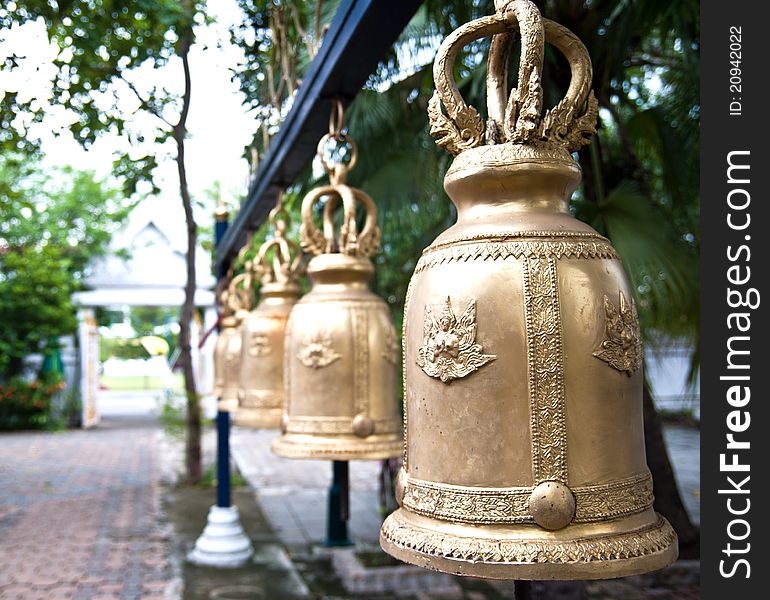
(155, 238)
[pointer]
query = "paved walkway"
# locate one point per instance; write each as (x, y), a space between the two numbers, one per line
(683, 444)
(293, 493)
(79, 514)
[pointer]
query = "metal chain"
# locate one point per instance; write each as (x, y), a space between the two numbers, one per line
(337, 171)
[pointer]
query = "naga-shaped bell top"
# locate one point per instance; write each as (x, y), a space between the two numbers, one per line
(236, 298)
(517, 117)
(348, 241)
(278, 262)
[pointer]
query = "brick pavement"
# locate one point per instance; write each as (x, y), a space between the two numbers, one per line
(80, 514)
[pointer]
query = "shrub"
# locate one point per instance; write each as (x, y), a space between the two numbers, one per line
(27, 404)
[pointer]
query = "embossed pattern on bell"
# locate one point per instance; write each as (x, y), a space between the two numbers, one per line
(524, 442)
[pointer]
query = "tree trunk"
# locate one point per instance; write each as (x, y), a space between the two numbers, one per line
(193, 442)
(668, 501)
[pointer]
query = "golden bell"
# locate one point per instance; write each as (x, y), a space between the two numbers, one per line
(341, 348)
(227, 352)
(524, 454)
(260, 398)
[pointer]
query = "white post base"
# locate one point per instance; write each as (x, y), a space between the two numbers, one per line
(223, 542)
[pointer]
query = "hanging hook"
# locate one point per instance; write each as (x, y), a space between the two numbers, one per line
(337, 170)
(279, 216)
(336, 120)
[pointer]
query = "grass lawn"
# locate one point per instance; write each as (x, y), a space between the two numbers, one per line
(139, 383)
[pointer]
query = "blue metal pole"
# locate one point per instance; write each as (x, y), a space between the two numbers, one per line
(224, 498)
(224, 493)
(338, 506)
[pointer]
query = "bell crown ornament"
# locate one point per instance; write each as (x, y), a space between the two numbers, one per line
(517, 117)
(524, 443)
(341, 348)
(278, 265)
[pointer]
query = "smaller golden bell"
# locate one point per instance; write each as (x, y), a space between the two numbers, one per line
(260, 397)
(235, 298)
(341, 348)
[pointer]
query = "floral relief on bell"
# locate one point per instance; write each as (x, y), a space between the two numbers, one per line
(449, 350)
(260, 344)
(317, 351)
(622, 346)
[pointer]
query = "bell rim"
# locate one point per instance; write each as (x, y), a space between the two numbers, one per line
(661, 551)
(338, 448)
(257, 418)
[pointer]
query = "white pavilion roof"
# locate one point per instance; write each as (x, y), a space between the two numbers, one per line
(155, 236)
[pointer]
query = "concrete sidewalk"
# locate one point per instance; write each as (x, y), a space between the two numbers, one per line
(293, 493)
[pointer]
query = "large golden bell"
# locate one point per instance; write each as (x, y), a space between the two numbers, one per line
(260, 398)
(341, 347)
(524, 432)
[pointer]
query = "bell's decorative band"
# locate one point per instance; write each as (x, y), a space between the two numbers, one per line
(523, 430)
(511, 505)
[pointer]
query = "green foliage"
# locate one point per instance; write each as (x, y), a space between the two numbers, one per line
(145, 319)
(172, 414)
(279, 38)
(51, 225)
(209, 479)
(35, 304)
(100, 40)
(67, 209)
(121, 348)
(67, 409)
(27, 404)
